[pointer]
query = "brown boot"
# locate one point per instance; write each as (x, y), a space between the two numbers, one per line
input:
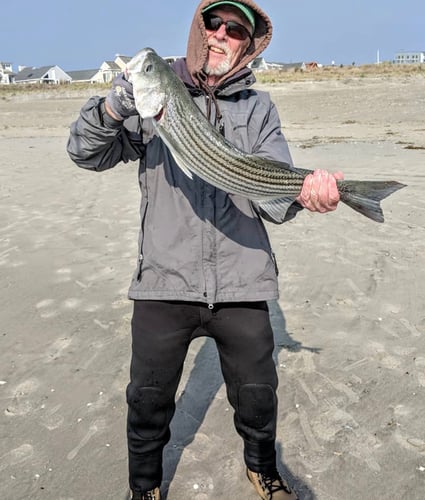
(154, 494)
(271, 487)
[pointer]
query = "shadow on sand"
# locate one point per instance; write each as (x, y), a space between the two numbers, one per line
(189, 417)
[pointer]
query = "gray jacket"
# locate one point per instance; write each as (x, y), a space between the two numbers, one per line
(197, 242)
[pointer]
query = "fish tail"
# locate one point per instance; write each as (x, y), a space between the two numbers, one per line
(365, 196)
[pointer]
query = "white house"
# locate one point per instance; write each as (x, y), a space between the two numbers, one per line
(108, 71)
(172, 59)
(105, 74)
(122, 61)
(45, 74)
(6, 73)
(409, 58)
(260, 64)
(85, 76)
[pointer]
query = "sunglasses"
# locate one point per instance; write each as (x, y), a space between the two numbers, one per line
(233, 29)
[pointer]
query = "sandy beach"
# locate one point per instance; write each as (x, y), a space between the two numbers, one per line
(349, 325)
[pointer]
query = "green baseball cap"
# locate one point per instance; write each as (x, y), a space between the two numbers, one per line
(247, 11)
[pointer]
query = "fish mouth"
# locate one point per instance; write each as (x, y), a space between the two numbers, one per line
(158, 117)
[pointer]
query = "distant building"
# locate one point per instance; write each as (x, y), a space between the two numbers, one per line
(122, 61)
(105, 74)
(297, 66)
(109, 70)
(85, 76)
(6, 73)
(172, 59)
(44, 74)
(260, 64)
(409, 58)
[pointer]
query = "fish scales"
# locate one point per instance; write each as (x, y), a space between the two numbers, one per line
(240, 168)
(198, 148)
(193, 145)
(238, 171)
(202, 150)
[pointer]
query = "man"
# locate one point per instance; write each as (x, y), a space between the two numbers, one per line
(205, 264)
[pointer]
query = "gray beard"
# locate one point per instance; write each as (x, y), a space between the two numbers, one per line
(220, 70)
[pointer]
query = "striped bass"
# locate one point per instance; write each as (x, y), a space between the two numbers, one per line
(199, 148)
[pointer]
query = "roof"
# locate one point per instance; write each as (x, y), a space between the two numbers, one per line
(295, 65)
(82, 74)
(125, 59)
(112, 65)
(30, 73)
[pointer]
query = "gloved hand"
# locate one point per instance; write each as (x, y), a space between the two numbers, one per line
(120, 98)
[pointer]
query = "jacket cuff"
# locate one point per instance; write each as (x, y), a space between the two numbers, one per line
(106, 119)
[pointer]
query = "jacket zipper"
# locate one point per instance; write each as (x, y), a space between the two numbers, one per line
(140, 263)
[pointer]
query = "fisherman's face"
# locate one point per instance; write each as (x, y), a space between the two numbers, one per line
(224, 51)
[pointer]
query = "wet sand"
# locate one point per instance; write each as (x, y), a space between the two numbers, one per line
(349, 326)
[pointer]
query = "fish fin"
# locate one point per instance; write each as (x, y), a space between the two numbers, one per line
(275, 210)
(181, 164)
(186, 171)
(365, 196)
(302, 171)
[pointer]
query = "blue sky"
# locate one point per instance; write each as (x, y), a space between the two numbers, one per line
(82, 34)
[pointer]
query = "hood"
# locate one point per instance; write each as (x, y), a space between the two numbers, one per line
(197, 48)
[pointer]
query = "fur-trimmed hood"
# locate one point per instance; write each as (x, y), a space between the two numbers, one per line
(197, 48)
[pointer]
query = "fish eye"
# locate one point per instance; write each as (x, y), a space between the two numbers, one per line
(148, 68)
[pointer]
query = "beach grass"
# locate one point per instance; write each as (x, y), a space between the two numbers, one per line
(325, 73)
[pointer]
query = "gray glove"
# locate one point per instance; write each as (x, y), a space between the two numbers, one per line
(120, 98)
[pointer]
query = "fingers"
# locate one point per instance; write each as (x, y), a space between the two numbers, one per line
(120, 102)
(319, 192)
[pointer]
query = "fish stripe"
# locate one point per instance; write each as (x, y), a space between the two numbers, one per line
(198, 150)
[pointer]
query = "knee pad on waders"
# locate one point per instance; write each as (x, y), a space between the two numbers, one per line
(257, 405)
(149, 411)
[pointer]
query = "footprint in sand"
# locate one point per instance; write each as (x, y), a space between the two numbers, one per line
(96, 426)
(71, 303)
(51, 419)
(385, 359)
(46, 308)
(16, 456)
(56, 349)
(49, 308)
(420, 370)
(21, 404)
(63, 275)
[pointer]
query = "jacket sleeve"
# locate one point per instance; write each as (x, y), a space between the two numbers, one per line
(272, 144)
(98, 142)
